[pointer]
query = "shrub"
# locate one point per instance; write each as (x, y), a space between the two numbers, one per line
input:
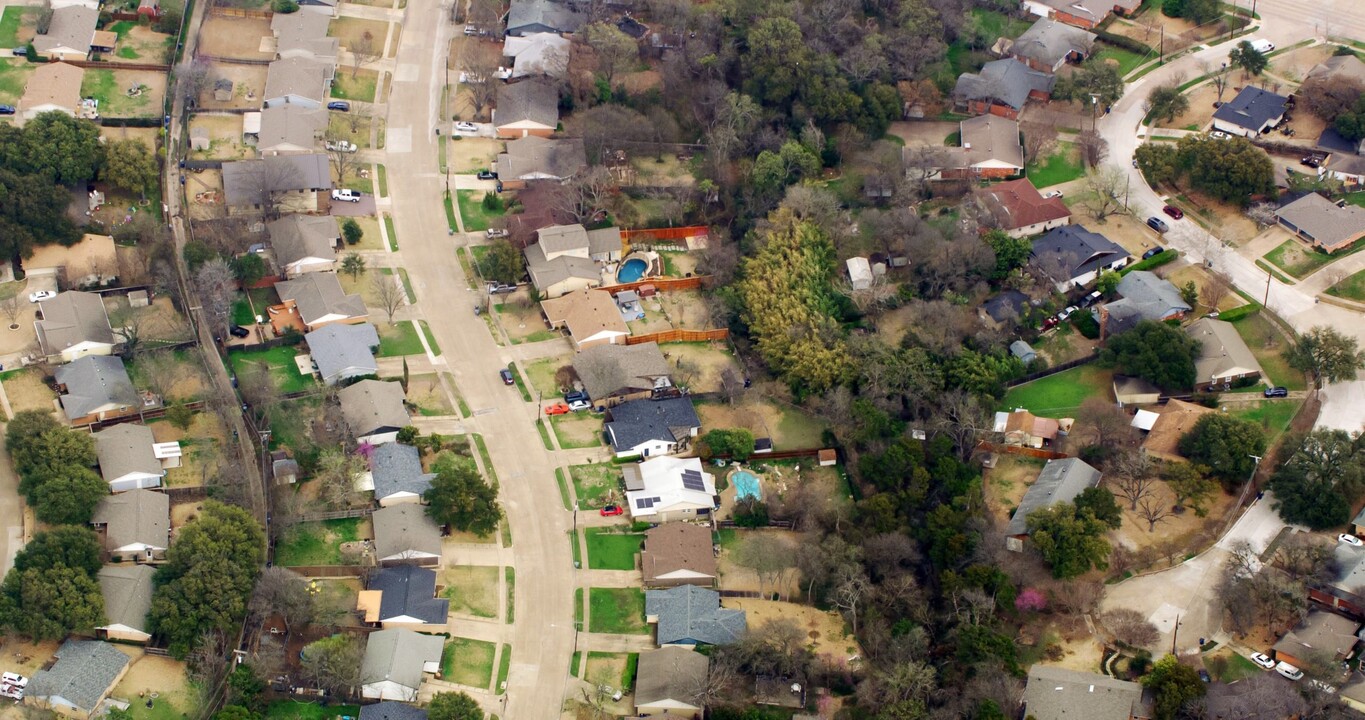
(1156, 260)
(491, 202)
(285, 7)
(1240, 312)
(351, 230)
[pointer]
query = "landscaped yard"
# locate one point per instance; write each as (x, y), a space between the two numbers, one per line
(360, 87)
(476, 217)
(577, 430)
(471, 590)
(316, 543)
(1272, 415)
(593, 484)
(1059, 395)
(1297, 259)
(1063, 165)
(617, 610)
(280, 360)
(610, 550)
(350, 30)
(468, 662)
(398, 339)
(1352, 288)
(1268, 345)
(1125, 59)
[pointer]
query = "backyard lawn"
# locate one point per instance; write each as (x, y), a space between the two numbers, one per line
(468, 662)
(14, 76)
(293, 710)
(1063, 165)
(617, 610)
(1059, 395)
(1352, 288)
(610, 550)
(472, 211)
(280, 360)
(1272, 415)
(592, 484)
(471, 590)
(105, 86)
(1268, 345)
(398, 339)
(1297, 259)
(316, 543)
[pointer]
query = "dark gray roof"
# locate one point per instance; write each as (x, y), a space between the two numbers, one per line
(343, 351)
(318, 295)
(1144, 297)
(1252, 108)
(405, 528)
(124, 449)
(531, 16)
(398, 468)
(298, 237)
(1049, 41)
(1055, 693)
(608, 370)
(537, 158)
(1007, 81)
(1323, 221)
(1079, 250)
(1006, 305)
(127, 591)
(409, 591)
(527, 101)
(1344, 155)
(278, 173)
(94, 382)
(640, 421)
(390, 710)
(137, 516)
(1060, 481)
(398, 656)
(688, 614)
(85, 671)
(671, 673)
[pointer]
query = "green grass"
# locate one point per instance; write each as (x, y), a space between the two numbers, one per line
(1255, 329)
(482, 447)
(1262, 264)
(241, 313)
(1063, 165)
(407, 284)
(393, 236)
(468, 662)
(593, 483)
(383, 181)
(1239, 668)
(574, 661)
(504, 665)
(563, 488)
(294, 710)
(544, 435)
(280, 360)
(472, 211)
(617, 610)
(505, 529)
(1272, 415)
(1352, 288)
(511, 578)
(798, 429)
(316, 543)
(398, 339)
(450, 219)
(1356, 198)
(1127, 59)
(361, 87)
(1298, 259)
(14, 75)
(431, 339)
(468, 589)
(578, 562)
(998, 24)
(521, 384)
(114, 101)
(127, 53)
(10, 21)
(1059, 395)
(727, 537)
(610, 550)
(622, 682)
(541, 374)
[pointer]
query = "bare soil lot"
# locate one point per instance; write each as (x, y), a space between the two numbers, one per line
(1175, 532)
(736, 577)
(1295, 64)
(138, 44)
(789, 428)
(202, 448)
(225, 138)
(26, 390)
(699, 365)
(471, 154)
(825, 631)
(205, 191)
(248, 82)
(350, 30)
(923, 132)
(146, 136)
(154, 674)
(234, 37)
(1006, 483)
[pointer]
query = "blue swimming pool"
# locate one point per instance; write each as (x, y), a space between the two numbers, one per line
(746, 485)
(631, 270)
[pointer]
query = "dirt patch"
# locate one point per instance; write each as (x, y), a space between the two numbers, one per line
(154, 674)
(790, 429)
(225, 137)
(26, 390)
(523, 322)
(699, 365)
(736, 577)
(425, 391)
(923, 133)
(577, 430)
(470, 155)
(349, 31)
(140, 44)
(1295, 64)
(184, 513)
(248, 82)
(234, 37)
(202, 448)
(1200, 113)
(146, 136)
(1225, 221)
(1179, 275)
(825, 631)
(1006, 483)
(26, 658)
(1177, 533)
(205, 191)
(607, 669)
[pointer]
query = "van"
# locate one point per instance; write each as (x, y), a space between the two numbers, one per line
(1262, 46)
(1289, 671)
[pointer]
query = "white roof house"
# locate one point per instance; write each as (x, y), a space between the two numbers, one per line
(859, 272)
(669, 488)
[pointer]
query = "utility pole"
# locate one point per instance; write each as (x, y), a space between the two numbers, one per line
(1161, 54)
(1175, 634)
(1265, 302)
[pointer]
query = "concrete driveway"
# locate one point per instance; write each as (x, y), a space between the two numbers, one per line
(366, 206)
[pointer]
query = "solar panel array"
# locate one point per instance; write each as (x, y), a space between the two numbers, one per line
(646, 503)
(692, 480)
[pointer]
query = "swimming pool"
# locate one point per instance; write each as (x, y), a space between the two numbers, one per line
(631, 270)
(746, 485)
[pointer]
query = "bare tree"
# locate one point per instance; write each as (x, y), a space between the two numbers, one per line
(1039, 139)
(388, 293)
(1218, 77)
(480, 72)
(364, 51)
(192, 79)
(217, 287)
(769, 557)
(1129, 627)
(1153, 510)
(1216, 287)
(359, 116)
(259, 391)
(1263, 213)
(337, 473)
(1105, 423)
(280, 591)
(962, 417)
(585, 195)
(265, 182)
(1130, 476)
(849, 592)
(334, 664)
(44, 21)
(1094, 149)
(10, 307)
(1104, 185)
(722, 675)
(343, 160)
(923, 164)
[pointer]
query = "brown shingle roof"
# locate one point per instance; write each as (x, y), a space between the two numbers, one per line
(1016, 203)
(53, 84)
(1176, 418)
(674, 547)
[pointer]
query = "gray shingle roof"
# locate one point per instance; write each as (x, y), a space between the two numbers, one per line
(1007, 305)
(94, 382)
(398, 656)
(529, 16)
(671, 673)
(300, 76)
(1078, 250)
(608, 370)
(390, 710)
(290, 125)
(404, 528)
(281, 173)
(561, 239)
(688, 614)
(136, 516)
(1144, 296)
(127, 591)
(72, 318)
(1007, 81)
(533, 158)
(296, 237)
(398, 468)
(372, 406)
(409, 591)
(343, 351)
(304, 32)
(1049, 41)
(547, 273)
(640, 421)
(1320, 219)
(1252, 108)
(1055, 693)
(527, 101)
(72, 27)
(987, 138)
(317, 295)
(124, 449)
(1222, 351)
(1060, 481)
(84, 673)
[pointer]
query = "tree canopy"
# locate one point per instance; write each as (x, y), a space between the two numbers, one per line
(1322, 480)
(1225, 444)
(129, 165)
(51, 591)
(1174, 685)
(1156, 352)
(54, 462)
(1327, 354)
(503, 263)
(459, 497)
(1070, 541)
(453, 706)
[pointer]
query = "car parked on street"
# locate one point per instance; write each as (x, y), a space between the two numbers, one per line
(506, 376)
(1157, 224)
(1173, 211)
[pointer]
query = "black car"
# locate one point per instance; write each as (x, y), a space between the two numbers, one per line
(1274, 392)
(1153, 252)
(238, 331)
(1204, 675)
(487, 175)
(1157, 224)
(341, 105)
(6, 109)
(506, 376)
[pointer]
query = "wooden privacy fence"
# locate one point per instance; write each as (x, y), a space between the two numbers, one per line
(1020, 450)
(335, 514)
(102, 65)
(672, 233)
(660, 284)
(330, 571)
(187, 494)
(677, 335)
(231, 61)
(223, 11)
(1052, 370)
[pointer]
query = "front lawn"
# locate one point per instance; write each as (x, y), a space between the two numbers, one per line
(9, 23)
(398, 339)
(280, 360)
(1352, 288)
(1126, 60)
(14, 76)
(361, 87)
(316, 543)
(1059, 395)
(1268, 345)
(610, 550)
(471, 590)
(468, 662)
(1297, 259)
(1272, 415)
(476, 217)
(1063, 165)
(593, 484)
(577, 430)
(617, 610)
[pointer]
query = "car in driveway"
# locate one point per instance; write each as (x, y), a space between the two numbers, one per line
(487, 175)
(466, 127)
(238, 331)
(1263, 660)
(1153, 252)
(7, 110)
(1289, 671)
(494, 233)
(340, 105)
(1311, 161)
(1052, 194)
(1050, 322)
(1218, 135)
(346, 195)
(1173, 211)
(557, 409)
(340, 146)
(41, 295)
(612, 511)
(1063, 315)
(1349, 539)
(506, 376)
(1157, 224)
(1276, 391)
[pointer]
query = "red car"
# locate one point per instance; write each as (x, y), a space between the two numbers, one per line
(612, 511)
(1050, 322)
(557, 409)
(1174, 212)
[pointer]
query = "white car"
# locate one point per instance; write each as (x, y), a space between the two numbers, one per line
(39, 296)
(466, 127)
(1052, 194)
(1289, 671)
(1218, 135)
(1063, 315)
(340, 145)
(13, 692)
(1322, 686)
(1263, 660)
(470, 30)
(1350, 540)
(346, 195)
(492, 233)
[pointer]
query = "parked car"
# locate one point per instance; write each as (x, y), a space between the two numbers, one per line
(1322, 686)
(557, 409)
(1274, 392)
(21, 51)
(492, 233)
(1153, 252)
(470, 30)
(1050, 322)
(10, 678)
(612, 511)
(506, 376)
(1063, 315)
(487, 175)
(1218, 135)
(1090, 299)
(340, 146)
(1351, 540)
(1173, 211)
(346, 195)
(1204, 675)
(1157, 224)
(238, 331)
(1311, 161)
(1289, 671)
(340, 105)
(577, 400)
(1052, 194)
(500, 289)
(466, 127)
(13, 692)
(6, 110)
(1263, 660)
(41, 295)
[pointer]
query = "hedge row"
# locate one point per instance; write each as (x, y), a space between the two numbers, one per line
(1156, 260)
(1239, 312)
(1121, 41)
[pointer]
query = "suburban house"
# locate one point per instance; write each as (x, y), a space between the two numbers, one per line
(396, 663)
(537, 158)
(342, 352)
(1004, 309)
(1338, 67)
(1345, 159)
(990, 150)
(1060, 481)
(1224, 357)
(526, 108)
(404, 535)
(1321, 633)
(304, 243)
(137, 524)
(567, 258)
(298, 81)
(374, 410)
(1346, 591)
(389, 710)
(403, 596)
(73, 325)
(652, 427)
(689, 615)
(1129, 390)
(80, 679)
(1072, 256)
(69, 34)
(1049, 44)
(398, 475)
(97, 388)
(668, 488)
(537, 54)
(678, 554)
(1055, 693)
(613, 374)
(1023, 428)
(127, 591)
(304, 34)
(291, 181)
(1251, 113)
(591, 317)
(127, 457)
(91, 261)
(1322, 223)
(290, 128)
(666, 682)
(1017, 207)
(1165, 425)
(52, 87)
(1002, 88)
(544, 16)
(1143, 296)
(319, 301)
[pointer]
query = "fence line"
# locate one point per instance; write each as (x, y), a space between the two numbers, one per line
(334, 514)
(187, 494)
(1020, 450)
(1052, 370)
(678, 335)
(240, 12)
(660, 284)
(330, 571)
(675, 233)
(100, 64)
(231, 61)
